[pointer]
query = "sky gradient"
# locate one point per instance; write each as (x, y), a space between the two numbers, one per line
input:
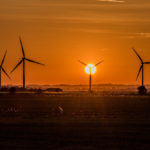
(58, 33)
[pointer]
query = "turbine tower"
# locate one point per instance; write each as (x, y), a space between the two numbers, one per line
(90, 69)
(142, 89)
(23, 60)
(2, 69)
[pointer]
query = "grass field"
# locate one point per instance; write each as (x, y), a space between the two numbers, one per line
(29, 122)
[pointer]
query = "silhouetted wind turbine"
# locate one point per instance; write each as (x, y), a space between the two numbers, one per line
(91, 70)
(2, 69)
(142, 66)
(23, 61)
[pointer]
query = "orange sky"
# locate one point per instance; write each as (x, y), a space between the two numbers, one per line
(60, 32)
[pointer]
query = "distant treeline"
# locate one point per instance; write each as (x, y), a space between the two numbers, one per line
(17, 88)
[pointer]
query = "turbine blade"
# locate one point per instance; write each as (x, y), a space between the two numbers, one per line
(139, 72)
(82, 62)
(6, 73)
(17, 66)
(137, 55)
(3, 58)
(99, 62)
(146, 62)
(33, 61)
(22, 47)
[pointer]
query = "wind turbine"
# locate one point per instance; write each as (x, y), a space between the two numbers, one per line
(90, 69)
(2, 69)
(23, 60)
(142, 89)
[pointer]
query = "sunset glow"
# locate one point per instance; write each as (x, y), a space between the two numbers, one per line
(90, 69)
(58, 33)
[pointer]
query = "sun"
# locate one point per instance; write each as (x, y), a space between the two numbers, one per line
(90, 69)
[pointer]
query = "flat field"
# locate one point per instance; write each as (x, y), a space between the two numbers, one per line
(39, 122)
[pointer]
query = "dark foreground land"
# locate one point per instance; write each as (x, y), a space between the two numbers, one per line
(29, 122)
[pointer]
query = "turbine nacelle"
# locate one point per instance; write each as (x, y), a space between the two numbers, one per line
(146, 63)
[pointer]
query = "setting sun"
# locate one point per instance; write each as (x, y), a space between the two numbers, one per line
(90, 69)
